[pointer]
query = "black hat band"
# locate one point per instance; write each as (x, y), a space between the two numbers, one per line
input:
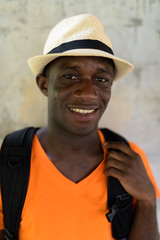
(80, 44)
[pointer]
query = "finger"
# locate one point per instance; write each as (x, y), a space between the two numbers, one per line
(113, 163)
(117, 155)
(119, 146)
(113, 172)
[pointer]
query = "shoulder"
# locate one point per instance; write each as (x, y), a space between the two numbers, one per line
(106, 132)
(111, 136)
(138, 150)
(144, 158)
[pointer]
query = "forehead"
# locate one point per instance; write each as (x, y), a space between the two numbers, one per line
(80, 60)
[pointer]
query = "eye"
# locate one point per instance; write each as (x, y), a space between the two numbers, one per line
(102, 80)
(71, 76)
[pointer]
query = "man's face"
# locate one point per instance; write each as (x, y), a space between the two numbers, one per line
(79, 89)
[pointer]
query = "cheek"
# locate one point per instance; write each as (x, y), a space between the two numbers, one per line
(53, 102)
(63, 95)
(105, 96)
(57, 99)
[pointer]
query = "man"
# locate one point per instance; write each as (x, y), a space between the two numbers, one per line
(70, 161)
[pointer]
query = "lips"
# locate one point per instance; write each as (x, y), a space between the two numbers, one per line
(83, 111)
(84, 114)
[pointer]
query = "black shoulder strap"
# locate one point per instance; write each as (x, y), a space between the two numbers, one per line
(119, 201)
(15, 168)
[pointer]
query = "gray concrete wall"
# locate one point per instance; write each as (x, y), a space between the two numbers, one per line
(134, 28)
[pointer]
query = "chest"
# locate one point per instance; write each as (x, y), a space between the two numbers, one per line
(77, 167)
(57, 208)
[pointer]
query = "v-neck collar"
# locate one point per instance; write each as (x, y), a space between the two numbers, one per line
(42, 156)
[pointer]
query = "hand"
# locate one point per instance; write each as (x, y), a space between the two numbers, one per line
(127, 166)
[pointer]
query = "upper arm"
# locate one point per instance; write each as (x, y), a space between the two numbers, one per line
(143, 156)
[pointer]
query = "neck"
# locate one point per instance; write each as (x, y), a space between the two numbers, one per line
(75, 156)
(70, 141)
(58, 141)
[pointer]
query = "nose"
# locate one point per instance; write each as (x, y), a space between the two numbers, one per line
(86, 91)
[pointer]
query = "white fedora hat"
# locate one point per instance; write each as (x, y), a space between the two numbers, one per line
(81, 35)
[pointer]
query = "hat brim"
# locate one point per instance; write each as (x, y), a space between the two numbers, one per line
(38, 63)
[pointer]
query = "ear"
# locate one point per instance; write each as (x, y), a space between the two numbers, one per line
(42, 83)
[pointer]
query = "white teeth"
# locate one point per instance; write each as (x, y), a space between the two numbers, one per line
(84, 111)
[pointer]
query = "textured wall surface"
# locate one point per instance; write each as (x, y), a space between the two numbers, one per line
(134, 28)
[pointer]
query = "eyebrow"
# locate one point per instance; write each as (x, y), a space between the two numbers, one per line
(76, 67)
(99, 69)
(105, 71)
(72, 67)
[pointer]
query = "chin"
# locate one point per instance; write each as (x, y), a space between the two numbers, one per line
(83, 130)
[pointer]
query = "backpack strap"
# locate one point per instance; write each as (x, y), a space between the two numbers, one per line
(119, 201)
(15, 163)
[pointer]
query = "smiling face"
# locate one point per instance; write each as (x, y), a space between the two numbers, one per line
(79, 89)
